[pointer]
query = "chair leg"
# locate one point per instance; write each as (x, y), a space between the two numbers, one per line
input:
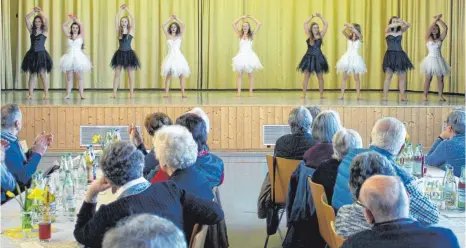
(266, 241)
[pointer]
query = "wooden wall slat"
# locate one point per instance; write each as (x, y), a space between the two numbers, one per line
(69, 128)
(215, 123)
(255, 129)
(54, 126)
(76, 124)
(232, 127)
(224, 128)
(239, 119)
(247, 137)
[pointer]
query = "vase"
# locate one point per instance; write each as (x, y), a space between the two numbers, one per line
(27, 221)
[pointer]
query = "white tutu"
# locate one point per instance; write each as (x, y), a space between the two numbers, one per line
(434, 64)
(246, 60)
(175, 63)
(351, 61)
(75, 60)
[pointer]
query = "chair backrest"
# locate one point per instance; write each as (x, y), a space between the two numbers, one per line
(283, 171)
(330, 217)
(24, 145)
(198, 236)
(317, 191)
(338, 239)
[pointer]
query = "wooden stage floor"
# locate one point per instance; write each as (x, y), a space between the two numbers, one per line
(236, 122)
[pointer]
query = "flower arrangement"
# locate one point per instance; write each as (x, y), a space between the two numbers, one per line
(111, 136)
(27, 205)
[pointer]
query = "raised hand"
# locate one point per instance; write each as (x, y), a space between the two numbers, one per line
(123, 6)
(5, 144)
(49, 139)
(319, 15)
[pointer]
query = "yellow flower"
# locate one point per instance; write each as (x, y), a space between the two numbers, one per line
(10, 194)
(95, 139)
(407, 138)
(36, 194)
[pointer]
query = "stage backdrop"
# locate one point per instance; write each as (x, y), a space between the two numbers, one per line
(210, 43)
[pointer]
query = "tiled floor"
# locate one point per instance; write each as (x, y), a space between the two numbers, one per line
(244, 173)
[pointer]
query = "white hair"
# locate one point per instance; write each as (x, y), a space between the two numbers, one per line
(456, 120)
(388, 134)
(325, 125)
(10, 114)
(300, 120)
(343, 141)
(144, 231)
(175, 147)
(199, 112)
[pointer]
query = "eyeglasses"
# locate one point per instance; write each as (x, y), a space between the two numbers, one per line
(360, 204)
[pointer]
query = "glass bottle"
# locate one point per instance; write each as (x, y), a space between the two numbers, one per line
(449, 188)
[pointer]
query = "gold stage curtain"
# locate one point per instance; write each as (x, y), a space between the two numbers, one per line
(209, 43)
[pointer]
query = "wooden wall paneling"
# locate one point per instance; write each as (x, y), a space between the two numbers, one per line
(247, 127)
(239, 127)
(216, 120)
(362, 122)
(278, 115)
(69, 128)
(430, 124)
(232, 115)
(262, 121)
(76, 127)
(30, 128)
(61, 137)
(100, 115)
(53, 112)
(437, 119)
(123, 116)
(208, 111)
(38, 120)
(422, 125)
(255, 129)
(224, 128)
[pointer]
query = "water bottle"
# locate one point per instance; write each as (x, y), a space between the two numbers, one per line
(449, 188)
(69, 195)
(63, 168)
(82, 173)
(461, 190)
(417, 161)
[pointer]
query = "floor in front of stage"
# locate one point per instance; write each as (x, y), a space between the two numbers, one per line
(290, 98)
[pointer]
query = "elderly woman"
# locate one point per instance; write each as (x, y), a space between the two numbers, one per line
(326, 124)
(315, 111)
(152, 123)
(326, 173)
(176, 161)
(290, 146)
(206, 163)
(144, 231)
(199, 112)
(449, 146)
(350, 218)
(122, 166)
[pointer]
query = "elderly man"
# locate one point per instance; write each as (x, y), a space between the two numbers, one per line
(291, 146)
(145, 231)
(122, 165)
(21, 165)
(386, 206)
(449, 146)
(388, 136)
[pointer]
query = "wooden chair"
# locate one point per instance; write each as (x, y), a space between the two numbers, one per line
(279, 187)
(317, 191)
(338, 239)
(24, 145)
(329, 217)
(198, 236)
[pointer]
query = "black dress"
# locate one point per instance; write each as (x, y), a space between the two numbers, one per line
(37, 59)
(125, 57)
(395, 59)
(314, 60)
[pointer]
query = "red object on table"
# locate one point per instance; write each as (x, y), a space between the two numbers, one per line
(45, 231)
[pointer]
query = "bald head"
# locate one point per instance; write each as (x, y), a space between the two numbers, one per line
(385, 197)
(389, 134)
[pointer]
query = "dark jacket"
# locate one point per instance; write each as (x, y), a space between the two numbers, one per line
(403, 233)
(150, 161)
(293, 146)
(303, 228)
(164, 199)
(193, 182)
(210, 166)
(326, 174)
(318, 153)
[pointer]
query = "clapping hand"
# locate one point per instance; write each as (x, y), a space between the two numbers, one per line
(134, 135)
(5, 144)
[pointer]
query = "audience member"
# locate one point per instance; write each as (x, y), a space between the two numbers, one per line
(199, 112)
(350, 218)
(144, 231)
(152, 123)
(326, 173)
(8, 180)
(290, 146)
(386, 206)
(388, 136)
(448, 148)
(324, 127)
(314, 110)
(22, 165)
(122, 165)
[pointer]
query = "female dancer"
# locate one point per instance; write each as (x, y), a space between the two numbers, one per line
(37, 60)
(124, 57)
(74, 61)
(175, 63)
(395, 59)
(246, 60)
(351, 61)
(314, 60)
(434, 63)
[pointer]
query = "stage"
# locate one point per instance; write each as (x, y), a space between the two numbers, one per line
(236, 122)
